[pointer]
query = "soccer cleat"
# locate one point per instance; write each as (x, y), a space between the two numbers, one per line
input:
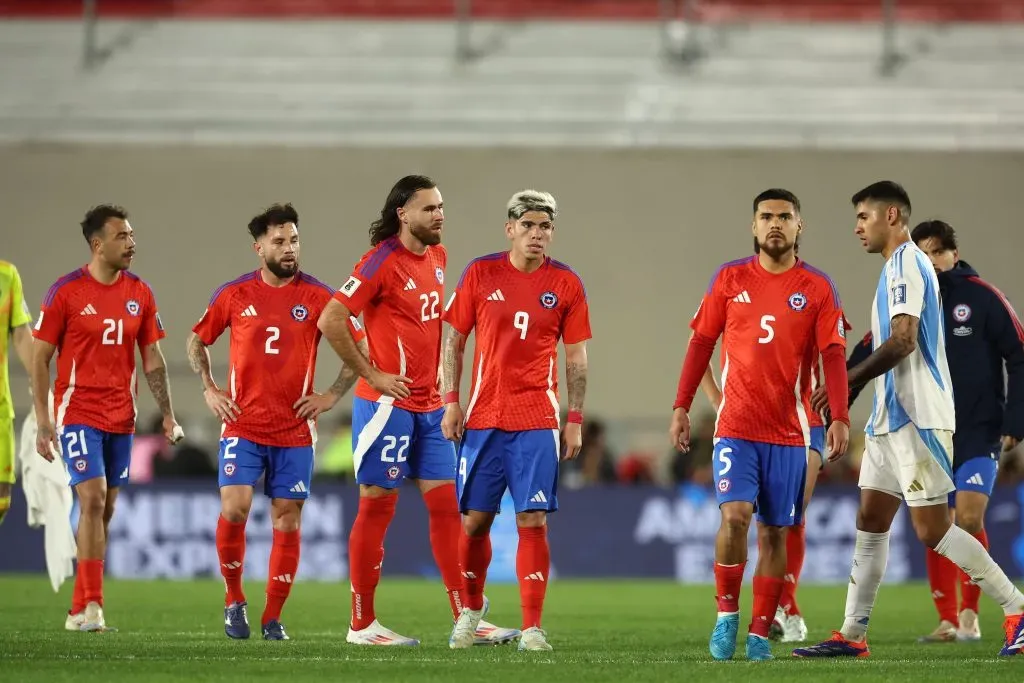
(794, 629)
(274, 630)
(489, 634)
(778, 627)
(534, 639)
(92, 619)
(758, 648)
(464, 631)
(945, 632)
(836, 646)
(375, 634)
(236, 621)
(74, 621)
(1013, 627)
(723, 638)
(969, 629)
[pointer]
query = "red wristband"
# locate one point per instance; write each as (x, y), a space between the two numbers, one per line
(451, 397)
(575, 416)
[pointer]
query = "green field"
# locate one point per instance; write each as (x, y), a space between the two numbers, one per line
(601, 631)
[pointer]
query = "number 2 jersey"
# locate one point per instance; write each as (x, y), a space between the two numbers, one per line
(518, 319)
(95, 328)
(774, 326)
(272, 357)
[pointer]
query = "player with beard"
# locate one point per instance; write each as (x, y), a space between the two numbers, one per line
(777, 313)
(269, 412)
(397, 286)
(93, 317)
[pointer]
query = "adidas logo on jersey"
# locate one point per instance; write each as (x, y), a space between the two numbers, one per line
(410, 285)
(88, 310)
(976, 480)
(742, 297)
(496, 295)
(539, 497)
(249, 311)
(299, 488)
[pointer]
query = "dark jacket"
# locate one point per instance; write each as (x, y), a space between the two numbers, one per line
(982, 334)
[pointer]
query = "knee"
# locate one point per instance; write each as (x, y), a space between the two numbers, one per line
(735, 522)
(235, 511)
(531, 519)
(871, 523)
(971, 521)
(93, 504)
(477, 524)
(288, 521)
(930, 532)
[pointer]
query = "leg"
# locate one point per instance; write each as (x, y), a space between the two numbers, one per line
(942, 575)
(6, 465)
(796, 543)
(975, 480)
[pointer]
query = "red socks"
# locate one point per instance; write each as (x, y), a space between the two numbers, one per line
(533, 562)
(445, 537)
(942, 577)
(728, 581)
(231, 553)
(366, 554)
(91, 572)
(284, 565)
(969, 591)
(78, 597)
(475, 558)
(766, 600)
(796, 546)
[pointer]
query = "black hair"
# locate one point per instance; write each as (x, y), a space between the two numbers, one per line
(278, 214)
(777, 193)
(387, 225)
(941, 230)
(886, 191)
(96, 218)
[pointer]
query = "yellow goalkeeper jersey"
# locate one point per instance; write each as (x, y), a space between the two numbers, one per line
(14, 312)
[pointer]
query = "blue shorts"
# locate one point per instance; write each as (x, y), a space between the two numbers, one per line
(526, 462)
(769, 476)
(818, 444)
(977, 475)
(89, 453)
(289, 471)
(390, 444)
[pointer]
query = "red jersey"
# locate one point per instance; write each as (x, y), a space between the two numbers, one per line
(399, 294)
(272, 358)
(519, 318)
(95, 328)
(774, 326)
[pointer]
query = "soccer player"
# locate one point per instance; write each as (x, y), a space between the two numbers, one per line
(14, 321)
(397, 286)
(777, 314)
(986, 334)
(520, 304)
(93, 317)
(908, 451)
(269, 412)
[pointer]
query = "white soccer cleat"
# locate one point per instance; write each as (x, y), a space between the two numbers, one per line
(778, 627)
(969, 629)
(464, 631)
(74, 621)
(375, 634)
(92, 618)
(489, 634)
(794, 630)
(945, 632)
(534, 639)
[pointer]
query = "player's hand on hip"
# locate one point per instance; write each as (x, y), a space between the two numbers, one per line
(679, 430)
(395, 386)
(172, 430)
(46, 441)
(819, 400)
(572, 440)
(453, 422)
(311, 405)
(1009, 443)
(221, 405)
(837, 440)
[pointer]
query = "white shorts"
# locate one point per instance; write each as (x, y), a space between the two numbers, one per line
(910, 463)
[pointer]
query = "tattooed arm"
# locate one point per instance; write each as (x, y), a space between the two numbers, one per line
(347, 377)
(576, 385)
(217, 400)
(311, 405)
(155, 367)
(452, 351)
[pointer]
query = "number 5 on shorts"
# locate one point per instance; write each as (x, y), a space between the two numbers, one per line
(723, 457)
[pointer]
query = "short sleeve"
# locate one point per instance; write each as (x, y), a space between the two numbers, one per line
(20, 314)
(576, 326)
(831, 326)
(709, 320)
(906, 285)
(460, 311)
(364, 284)
(52, 317)
(152, 329)
(215, 320)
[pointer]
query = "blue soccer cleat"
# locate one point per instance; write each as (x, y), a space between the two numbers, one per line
(236, 621)
(723, 638)
(836, 646)
(1013, 626)
(758, 649)
(274, 630)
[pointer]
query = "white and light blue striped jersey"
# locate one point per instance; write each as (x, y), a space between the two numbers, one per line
(918, 389)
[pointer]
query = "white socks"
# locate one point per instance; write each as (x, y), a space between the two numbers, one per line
(870, 556)
(969, 554)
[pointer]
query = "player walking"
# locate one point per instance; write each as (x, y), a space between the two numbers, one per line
(397, 286)
(269, 411)
(14, 327)
(520, 303)
(94, 317)
(908, 452)
(777, 314)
